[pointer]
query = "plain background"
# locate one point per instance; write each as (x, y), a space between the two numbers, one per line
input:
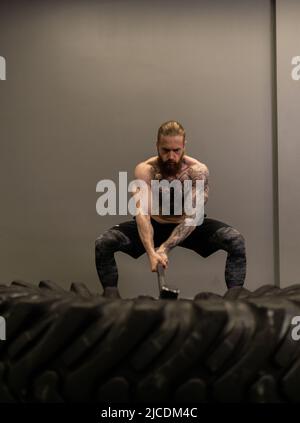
(288, 30)
(89, 83)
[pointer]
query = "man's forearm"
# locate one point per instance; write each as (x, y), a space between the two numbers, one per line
(181, 232)
(146, 232)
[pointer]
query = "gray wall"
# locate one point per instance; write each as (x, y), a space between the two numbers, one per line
(288, 36)
(88, 84)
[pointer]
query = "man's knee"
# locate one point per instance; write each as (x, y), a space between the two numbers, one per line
(110, 241)
(106, 242)
(232, 240)
(237, 242)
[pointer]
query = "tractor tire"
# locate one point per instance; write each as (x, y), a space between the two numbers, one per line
(76, 346)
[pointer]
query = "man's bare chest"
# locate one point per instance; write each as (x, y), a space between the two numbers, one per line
(170, 190)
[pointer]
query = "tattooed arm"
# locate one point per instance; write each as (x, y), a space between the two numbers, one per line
(200, 172)
(183, 230)
(144, 172)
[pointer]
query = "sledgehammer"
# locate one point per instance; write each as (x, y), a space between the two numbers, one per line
(165, 291)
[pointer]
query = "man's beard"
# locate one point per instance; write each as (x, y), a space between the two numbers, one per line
(169, 168)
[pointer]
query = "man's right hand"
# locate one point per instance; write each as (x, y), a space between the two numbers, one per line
(155, 259)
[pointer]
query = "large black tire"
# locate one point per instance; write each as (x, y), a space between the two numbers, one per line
(77, 346)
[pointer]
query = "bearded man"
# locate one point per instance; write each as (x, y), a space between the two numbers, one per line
(157, 234)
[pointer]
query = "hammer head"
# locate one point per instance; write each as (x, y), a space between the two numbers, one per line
(165, 290)
(169, 293)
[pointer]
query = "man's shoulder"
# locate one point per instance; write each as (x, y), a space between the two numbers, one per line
(144, 170)
(195, 164)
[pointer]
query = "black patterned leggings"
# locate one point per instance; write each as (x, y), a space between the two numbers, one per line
(207, 238)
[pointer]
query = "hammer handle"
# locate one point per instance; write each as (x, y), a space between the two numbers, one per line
(160, 275)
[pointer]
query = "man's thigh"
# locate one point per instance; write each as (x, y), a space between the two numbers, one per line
(201, 239)
(131, 243)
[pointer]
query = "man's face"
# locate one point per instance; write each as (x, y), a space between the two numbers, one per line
(170, 149)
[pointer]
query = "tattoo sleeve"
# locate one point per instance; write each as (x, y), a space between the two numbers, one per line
(200, 173)
(183, 230)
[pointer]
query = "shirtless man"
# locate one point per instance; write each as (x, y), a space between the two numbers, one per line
(158, 234)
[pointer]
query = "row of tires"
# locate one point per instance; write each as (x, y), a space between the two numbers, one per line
(77, 346)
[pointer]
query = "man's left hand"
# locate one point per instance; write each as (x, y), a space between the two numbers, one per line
(163, 252)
